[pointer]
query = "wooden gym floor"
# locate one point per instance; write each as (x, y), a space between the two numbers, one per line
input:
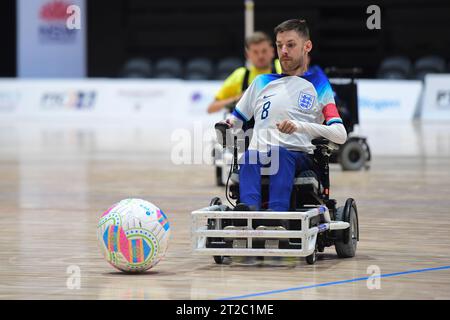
(56, 180)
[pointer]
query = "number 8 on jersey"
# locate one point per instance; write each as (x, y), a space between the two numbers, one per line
(265, 110)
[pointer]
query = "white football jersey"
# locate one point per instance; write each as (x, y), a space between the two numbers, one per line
(272, 98)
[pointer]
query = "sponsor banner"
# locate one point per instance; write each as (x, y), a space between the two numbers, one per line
(48, 97)
(436, 100)
(51, 38)
(145, 99)
(172, 102)
(169, 102)
(388, 99)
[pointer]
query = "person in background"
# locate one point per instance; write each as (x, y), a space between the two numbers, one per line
(260, 53)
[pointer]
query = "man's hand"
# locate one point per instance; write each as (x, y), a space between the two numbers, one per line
(287, 126)
(228, 122)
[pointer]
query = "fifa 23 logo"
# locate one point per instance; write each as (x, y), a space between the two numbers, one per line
(374, 20)
(74, 19)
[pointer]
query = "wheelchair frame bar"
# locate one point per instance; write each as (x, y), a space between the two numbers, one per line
(308, 236)
(254, 252)
(214, 213)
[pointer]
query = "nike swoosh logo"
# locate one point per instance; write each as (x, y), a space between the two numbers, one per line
(265, 97)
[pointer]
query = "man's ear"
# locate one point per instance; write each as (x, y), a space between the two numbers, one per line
(308, 46)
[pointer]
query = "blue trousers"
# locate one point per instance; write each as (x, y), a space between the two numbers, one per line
(282, 168)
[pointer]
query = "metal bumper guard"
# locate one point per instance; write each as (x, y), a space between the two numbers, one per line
(307, 235)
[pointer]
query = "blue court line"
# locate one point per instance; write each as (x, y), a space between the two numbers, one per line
(327, 284)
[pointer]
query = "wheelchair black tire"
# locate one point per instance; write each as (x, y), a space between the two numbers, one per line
(347, 239)
(219, 181)
(215, 201)
(352, 156)
(312, 258)
(218, 259)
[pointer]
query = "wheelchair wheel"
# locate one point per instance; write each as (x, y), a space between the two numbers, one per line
(348, 238)
(352, 155)
(219, 181)
(218, 259)
(218, 169)
(368, 154)
(312, 258)
(215, 201)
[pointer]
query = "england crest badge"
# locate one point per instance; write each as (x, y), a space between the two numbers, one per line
(305, 101)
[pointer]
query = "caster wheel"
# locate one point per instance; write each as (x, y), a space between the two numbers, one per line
(219, 181)
(218, 259)
(312, 258)
(215, 201)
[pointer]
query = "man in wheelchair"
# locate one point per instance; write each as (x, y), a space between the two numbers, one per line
(289, 111)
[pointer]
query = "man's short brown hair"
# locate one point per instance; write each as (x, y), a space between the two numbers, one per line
(298, 25)
(256, 38)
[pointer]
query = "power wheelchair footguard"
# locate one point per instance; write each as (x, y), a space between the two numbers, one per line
(313, 222)
(307, 234)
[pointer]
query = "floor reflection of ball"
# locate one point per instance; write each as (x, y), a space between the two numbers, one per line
(133, 235)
